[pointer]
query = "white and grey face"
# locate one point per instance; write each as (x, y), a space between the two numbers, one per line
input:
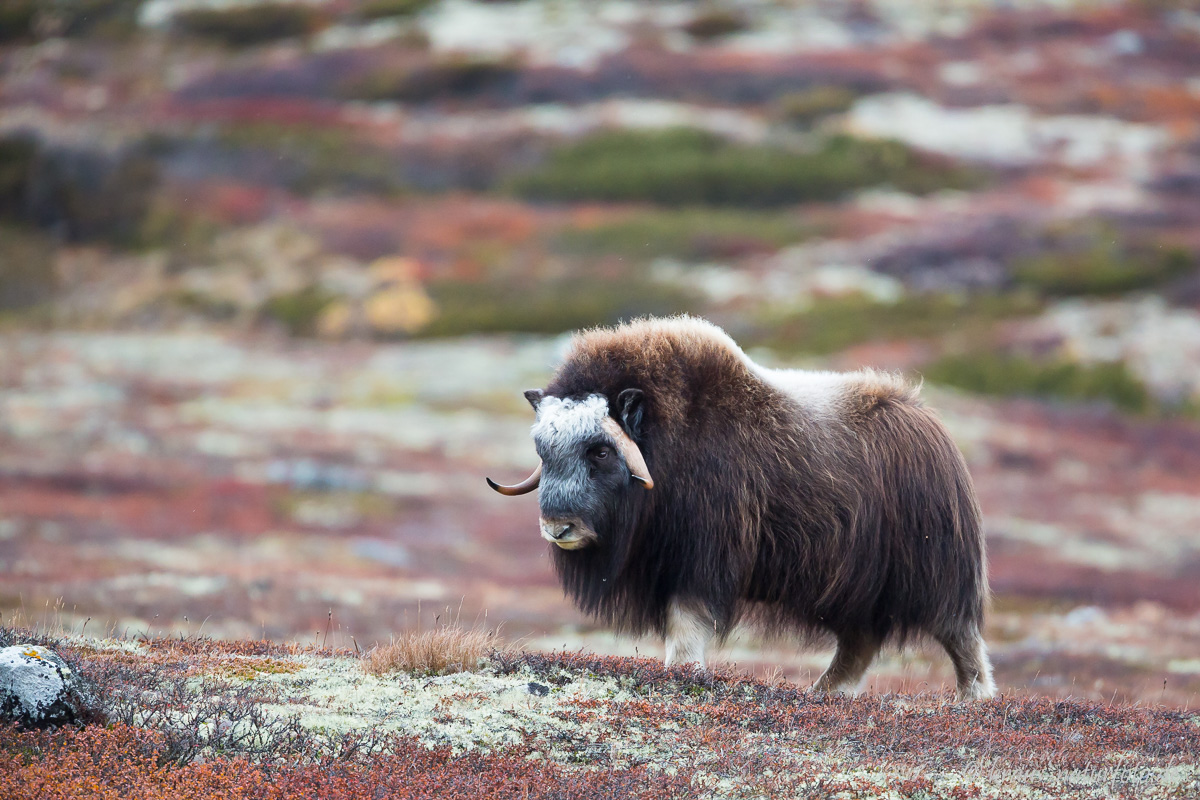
(583, 472)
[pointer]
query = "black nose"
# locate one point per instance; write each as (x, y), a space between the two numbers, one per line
(559, 531)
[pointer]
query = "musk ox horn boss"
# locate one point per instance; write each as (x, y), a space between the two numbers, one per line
(686, 488)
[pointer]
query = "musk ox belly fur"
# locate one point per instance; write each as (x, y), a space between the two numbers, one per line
(804, 501)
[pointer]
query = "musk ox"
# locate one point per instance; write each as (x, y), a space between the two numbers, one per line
(685, 488)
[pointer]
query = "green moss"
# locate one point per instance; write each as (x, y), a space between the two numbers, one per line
(548, 307)
(834, 323)
(690, 167)
(1000, 374)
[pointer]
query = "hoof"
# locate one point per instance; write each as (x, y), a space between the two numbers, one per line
(976, 691)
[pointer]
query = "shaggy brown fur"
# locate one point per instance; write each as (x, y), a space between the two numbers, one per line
(851, 513)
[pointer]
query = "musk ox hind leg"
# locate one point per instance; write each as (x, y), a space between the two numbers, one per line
(972, 668)
(855, 652)
(689, 630)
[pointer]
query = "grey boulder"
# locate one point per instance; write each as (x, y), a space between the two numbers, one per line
(39, 690)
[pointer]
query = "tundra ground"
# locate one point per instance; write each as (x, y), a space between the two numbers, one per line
(196, 717)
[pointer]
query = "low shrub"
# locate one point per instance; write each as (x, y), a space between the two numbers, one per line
(1105, 269)
(548, 306)
(382, 9)
(683, 166)
(186, 232)
(834, 323)
(80, 195)
(1002, 374)
(693, 234)
(807, 107)
(204, 305)
(119, 762)
(79, 18)
(714, 23)
(23, 20)
(456, 77)
(17, 19)
(243, 26)
(18, 161)
(311, 161)
(27, 276)
(298, 311)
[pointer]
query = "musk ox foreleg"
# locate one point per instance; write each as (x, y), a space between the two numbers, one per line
(972, 669)
(689, 630)
(855, 652)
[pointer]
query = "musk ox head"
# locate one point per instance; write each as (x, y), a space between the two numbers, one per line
(590, 466)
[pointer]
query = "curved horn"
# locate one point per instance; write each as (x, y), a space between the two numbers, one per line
(629, 449)
(524, 487)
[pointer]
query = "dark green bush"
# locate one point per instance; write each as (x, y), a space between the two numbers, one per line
(81, 195)
(80, 18)
(1000, 374)
(36, 19)
(691, 167)
(811, 105)
(713, 23)
(88, 196)
(298, 311)
(27, 277)
(694, 234)
(18, 159)
(451, 77)
(17, 18)
(205, 305)
(381, 9)
(242, 26)
(547, 307)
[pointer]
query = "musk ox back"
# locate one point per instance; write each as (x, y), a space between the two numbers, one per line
(686, 488)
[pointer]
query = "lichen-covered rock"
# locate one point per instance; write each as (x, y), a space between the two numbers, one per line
(38, 689)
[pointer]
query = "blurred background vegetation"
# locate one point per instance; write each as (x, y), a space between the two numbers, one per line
(611, 210)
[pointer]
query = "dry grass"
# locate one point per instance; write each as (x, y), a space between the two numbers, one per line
(443, 649)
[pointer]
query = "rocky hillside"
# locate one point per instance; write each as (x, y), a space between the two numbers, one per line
(198, 718)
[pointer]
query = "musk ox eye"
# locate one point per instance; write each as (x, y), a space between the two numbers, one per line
(601, 453)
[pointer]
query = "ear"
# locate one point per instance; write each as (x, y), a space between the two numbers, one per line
(631, 407)
(534, 396)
